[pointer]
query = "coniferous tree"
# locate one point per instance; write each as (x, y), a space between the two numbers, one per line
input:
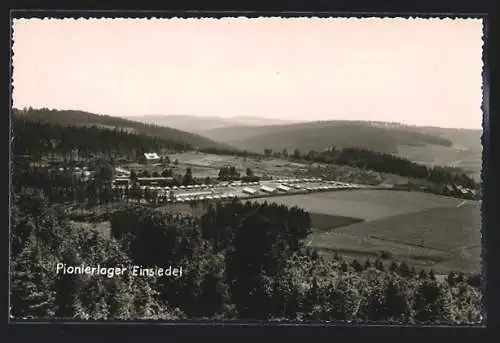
(31, 288)
(188, 177)
(356, 266)
(404, 269)
(214, 294)
(67, 288)
(393, 268)
(433, 302)
(396, 302)
(451, 279)
(379, 265)
(119, 299)
(368, 264)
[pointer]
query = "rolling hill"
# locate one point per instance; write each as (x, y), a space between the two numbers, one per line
(466, 152)
(460, 148)
(199, 124)
(80, 118)
(462, 138)
(320, 135)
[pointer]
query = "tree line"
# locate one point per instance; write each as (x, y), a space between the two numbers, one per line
(71, 117)
(230, 173)
(380, 162)
(240, 261)
(68, 186)
(41, 139)
(230, 152)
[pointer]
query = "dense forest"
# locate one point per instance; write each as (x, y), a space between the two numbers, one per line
(80, 118)
(247, 266)
(42, 139)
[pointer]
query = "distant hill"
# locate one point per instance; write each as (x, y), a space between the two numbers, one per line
(77, 118)
(200, 124)
(459, 148)
(462, 138)
(320, 135)
(260, 121)
(466, 152)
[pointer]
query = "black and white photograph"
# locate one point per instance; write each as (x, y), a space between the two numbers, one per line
(287, 170)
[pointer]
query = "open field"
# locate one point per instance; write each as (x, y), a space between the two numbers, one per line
(364, 204)
(180, 169)
(467, 259)
(442, 239)
(445, 229)
(324, 222)
(426, 230)
(363, 247)
(206, 162)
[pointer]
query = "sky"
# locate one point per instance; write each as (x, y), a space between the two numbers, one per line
(424, 72)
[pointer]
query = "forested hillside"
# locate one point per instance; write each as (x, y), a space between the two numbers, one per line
(320, 135)
(40, 139)
(80, 118)
(250, 266)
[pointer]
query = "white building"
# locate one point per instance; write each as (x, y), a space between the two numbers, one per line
(249, 190)
(150, 158)
(267, 189)
(122, 171)
(284, 188)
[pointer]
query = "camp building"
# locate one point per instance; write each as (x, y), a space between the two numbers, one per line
(150, 158)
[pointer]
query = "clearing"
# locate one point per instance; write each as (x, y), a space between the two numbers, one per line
(364, 204)
(426, 230)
